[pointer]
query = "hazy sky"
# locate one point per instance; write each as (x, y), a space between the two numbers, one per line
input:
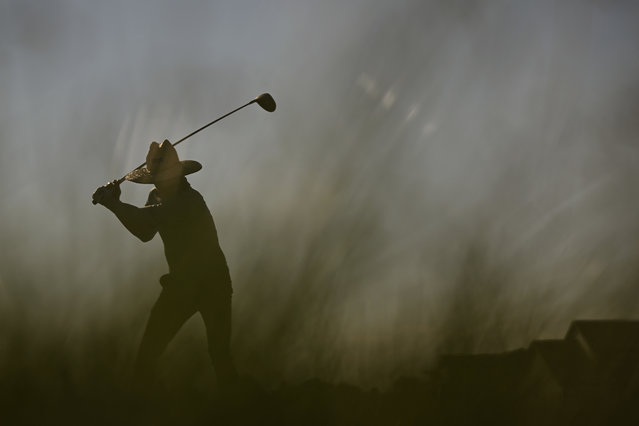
(439, 175)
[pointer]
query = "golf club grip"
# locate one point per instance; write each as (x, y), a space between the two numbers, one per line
(119, 181)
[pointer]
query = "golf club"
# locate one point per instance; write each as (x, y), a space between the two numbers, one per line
(265, 100)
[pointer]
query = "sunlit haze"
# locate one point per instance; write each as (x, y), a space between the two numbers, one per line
(439, 176)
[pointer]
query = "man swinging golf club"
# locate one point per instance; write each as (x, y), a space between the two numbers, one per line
(198, 278)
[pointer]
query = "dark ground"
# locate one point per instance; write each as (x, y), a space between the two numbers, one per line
(591, 377)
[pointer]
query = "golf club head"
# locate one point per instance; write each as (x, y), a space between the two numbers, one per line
(266, 101)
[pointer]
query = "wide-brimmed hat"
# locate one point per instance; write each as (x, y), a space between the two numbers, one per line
(162, 163)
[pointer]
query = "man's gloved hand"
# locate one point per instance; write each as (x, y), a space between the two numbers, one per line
(108, 194)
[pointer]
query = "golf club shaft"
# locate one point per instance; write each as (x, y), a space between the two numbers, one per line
(123, 178)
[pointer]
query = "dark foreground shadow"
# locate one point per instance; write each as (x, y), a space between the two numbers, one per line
(591, 377)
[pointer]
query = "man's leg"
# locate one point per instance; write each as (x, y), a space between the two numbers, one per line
(216, 313)
(169, 313)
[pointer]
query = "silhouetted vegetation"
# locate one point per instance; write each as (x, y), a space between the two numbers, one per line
(589, 377)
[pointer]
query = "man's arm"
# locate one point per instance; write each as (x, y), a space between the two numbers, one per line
(138, 221)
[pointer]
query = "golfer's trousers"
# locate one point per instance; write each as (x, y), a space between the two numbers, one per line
(174, 307)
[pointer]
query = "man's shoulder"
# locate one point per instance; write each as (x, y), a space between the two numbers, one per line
(193, 193)
(196, 200)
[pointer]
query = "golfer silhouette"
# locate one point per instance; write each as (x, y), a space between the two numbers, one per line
(198, 278)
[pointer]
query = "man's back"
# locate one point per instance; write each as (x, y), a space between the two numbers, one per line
(190, 238)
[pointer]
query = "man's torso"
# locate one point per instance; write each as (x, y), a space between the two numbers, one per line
(190, 239)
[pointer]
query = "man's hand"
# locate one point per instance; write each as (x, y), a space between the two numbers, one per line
(108, 194)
